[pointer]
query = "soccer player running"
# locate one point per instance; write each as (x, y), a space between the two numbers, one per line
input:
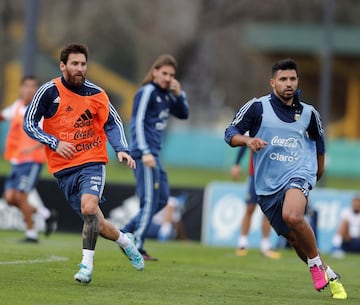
(78, 119)
(26, 157)
(287, 141)
(160, 96)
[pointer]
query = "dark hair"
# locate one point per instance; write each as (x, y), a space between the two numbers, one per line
(73, 48)
(28, 77)
(162, 60)
(284, 64)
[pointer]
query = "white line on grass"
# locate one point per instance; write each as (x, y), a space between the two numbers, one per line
(49, 259)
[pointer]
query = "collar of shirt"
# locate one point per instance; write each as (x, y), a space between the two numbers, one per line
(286, 113)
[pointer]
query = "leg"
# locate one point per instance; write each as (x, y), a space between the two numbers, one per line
(293, 214)
(303, 240)
(243, 244)
(265, 242)
(251, 200)
(147, 186)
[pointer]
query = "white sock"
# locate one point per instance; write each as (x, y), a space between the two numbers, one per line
(165, 231)
(314, 261)
(243, 241)
(337, 241)
(123, 241)
(44, 212)
(331, 274)
(88, 258)
(31, 233)
(265, 244)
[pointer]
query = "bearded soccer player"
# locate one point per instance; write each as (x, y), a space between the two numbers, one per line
(78, 119)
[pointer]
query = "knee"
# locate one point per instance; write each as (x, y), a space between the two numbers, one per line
(293, 219)
(89, 204)
(10, 198)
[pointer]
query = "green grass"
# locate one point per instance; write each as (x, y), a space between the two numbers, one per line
(188, 177)
(178, 176)
(187, 273)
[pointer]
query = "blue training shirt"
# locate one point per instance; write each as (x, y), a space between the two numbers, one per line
(289, 152)
(151, 110)
(249, 118)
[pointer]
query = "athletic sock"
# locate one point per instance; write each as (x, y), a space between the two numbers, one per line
(330, 273)
(314, 261)
(243, 241)
(43, 212)
(88, 258)
(123, 241)
(265, 245)
(31, 234)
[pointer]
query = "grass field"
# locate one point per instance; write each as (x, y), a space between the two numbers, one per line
(187, 273)
(190, 177)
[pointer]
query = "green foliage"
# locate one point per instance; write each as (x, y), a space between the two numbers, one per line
(186, 273)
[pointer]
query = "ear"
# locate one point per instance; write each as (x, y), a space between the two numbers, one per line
(62, 66)
(154, 72)
(272, 82)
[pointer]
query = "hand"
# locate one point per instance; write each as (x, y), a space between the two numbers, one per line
(235, 172)
(175, 87)
(66, 150)
(148, 160)
(256, 144)
(130, 161)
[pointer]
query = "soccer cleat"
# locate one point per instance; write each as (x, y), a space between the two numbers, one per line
(133, 254)
(83, 275)
(337, 290)
(241, 251)
(319, 277)
(51, 223)
(29, 240)
(147, 257)
(271, 254)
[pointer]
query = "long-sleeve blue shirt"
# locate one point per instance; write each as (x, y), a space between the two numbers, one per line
(151, 109)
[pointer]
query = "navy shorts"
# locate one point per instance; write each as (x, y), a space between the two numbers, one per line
(272, 205)
(86, 180)
(23, 177)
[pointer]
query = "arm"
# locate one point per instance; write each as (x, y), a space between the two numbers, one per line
(114, 130)
(316, 133)
(248, 118)
(7, 113)
(141, 104)
(179, 106)
(41, 106)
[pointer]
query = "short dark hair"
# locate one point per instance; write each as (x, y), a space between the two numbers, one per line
(73, 48)
(284, 64)
(28, 77)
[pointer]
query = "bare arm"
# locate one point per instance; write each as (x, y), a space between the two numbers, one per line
(254, 144)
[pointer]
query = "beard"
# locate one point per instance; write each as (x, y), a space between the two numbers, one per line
(76, 80)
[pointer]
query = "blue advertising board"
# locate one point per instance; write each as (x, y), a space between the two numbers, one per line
(224, 207)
